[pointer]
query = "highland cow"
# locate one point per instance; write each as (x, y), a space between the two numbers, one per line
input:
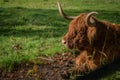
(97, 41)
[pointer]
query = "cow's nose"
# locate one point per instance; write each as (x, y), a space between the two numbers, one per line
(63, 42)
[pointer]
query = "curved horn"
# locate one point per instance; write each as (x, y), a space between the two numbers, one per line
(63, 14)
(89, 20)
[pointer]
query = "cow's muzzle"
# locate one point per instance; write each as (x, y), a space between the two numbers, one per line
(65, 43)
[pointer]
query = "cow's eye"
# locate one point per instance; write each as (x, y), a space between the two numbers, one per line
(76, 32)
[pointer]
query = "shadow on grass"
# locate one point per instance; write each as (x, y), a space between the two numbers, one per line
(22, 16)
(103, 72)
(13, 17)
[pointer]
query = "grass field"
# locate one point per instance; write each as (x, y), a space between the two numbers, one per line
(29, 28)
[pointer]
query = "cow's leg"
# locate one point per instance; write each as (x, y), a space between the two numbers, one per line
(84, 62)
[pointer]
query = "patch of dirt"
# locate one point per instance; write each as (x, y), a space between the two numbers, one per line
(58, 67)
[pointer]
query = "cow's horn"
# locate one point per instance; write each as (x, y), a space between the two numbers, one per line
(89, 20)
(63, 14)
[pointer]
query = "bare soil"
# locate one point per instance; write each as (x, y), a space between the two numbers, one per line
(58, 67)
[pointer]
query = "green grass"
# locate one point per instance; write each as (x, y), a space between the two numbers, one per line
(37, 27)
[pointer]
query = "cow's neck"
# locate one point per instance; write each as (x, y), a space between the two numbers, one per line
(106, 35)
(101, 35)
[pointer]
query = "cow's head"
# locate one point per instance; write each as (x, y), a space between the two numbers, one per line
(81, 30)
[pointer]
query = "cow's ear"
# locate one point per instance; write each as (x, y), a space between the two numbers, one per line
(90, 21)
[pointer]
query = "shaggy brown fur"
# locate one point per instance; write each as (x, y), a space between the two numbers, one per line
(98, 44)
